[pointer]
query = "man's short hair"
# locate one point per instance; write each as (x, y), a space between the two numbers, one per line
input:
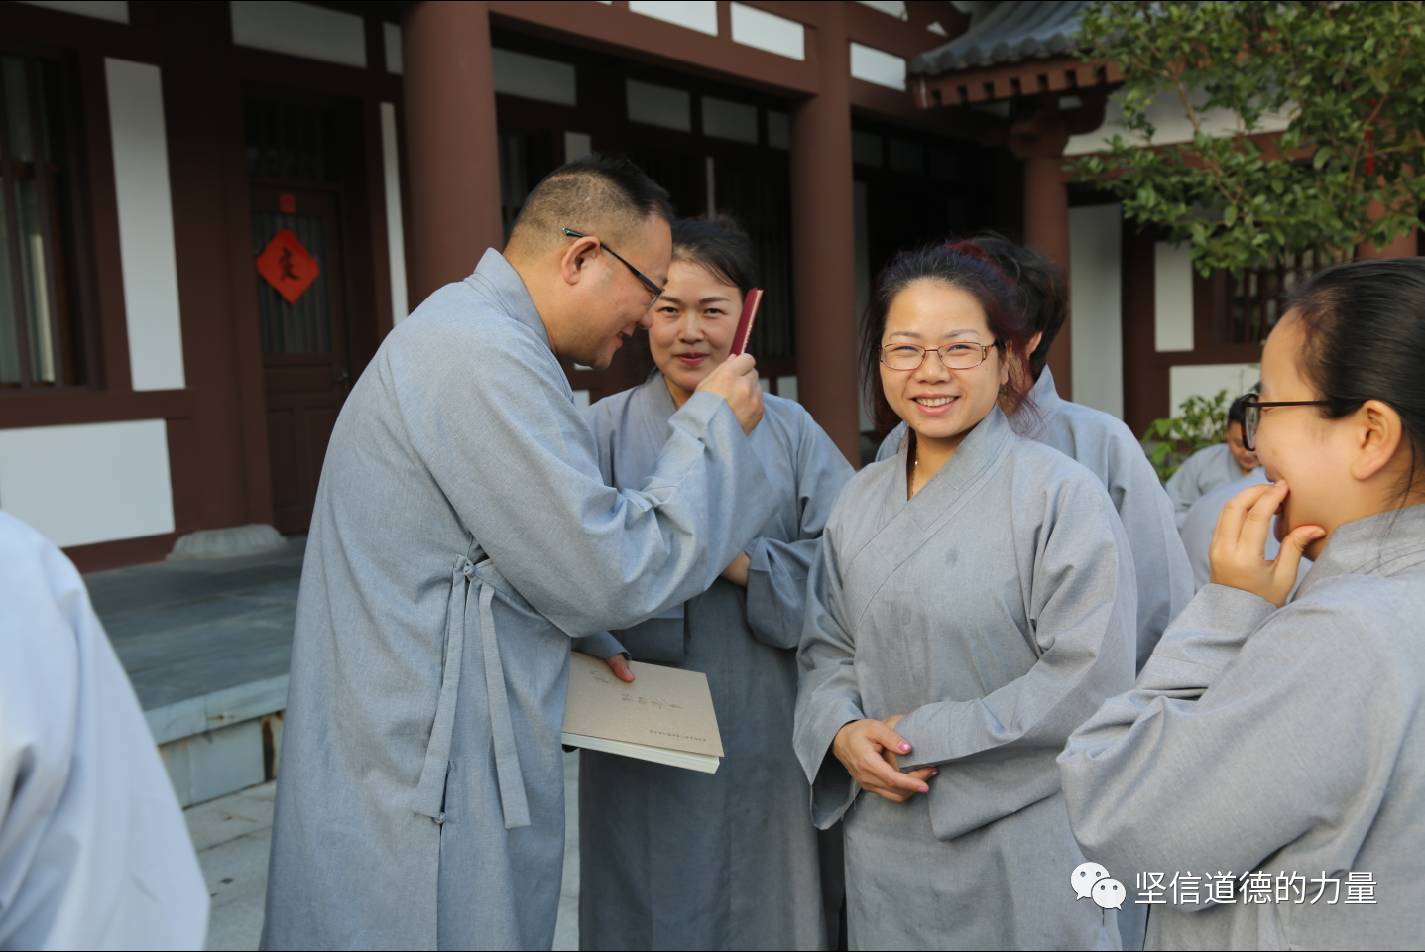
(601, 195)
(1237, 412)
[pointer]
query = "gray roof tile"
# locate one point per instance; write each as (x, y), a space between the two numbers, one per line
(1011, 31)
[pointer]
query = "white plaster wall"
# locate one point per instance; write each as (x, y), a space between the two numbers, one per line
(300, 29)
(89, 482)
(876, 66)
(766, 31)
(1205, 380)
(700, 15)
(146, 244)
(1172, 297)
(1170, 124)
(395, 224)
(894, 8)
(1096, 306)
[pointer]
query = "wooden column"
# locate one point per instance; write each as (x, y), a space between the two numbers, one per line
(452, 150)
(1038, 139)
(823, 240)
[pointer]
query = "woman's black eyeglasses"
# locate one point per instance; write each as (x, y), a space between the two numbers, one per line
(1252, 417)
(643, 279)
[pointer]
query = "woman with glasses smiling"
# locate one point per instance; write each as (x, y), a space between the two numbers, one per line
(671, 858)
(1284, 741)
(972, 602)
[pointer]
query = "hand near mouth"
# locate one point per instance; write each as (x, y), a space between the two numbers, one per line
(1240, 540)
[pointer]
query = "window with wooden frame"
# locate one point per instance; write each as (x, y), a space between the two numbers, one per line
(1256, 297)
(44, 342)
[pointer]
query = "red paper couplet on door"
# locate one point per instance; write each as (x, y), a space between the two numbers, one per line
(287, 265)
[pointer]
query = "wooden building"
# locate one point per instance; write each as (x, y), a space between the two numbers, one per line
(166, 168)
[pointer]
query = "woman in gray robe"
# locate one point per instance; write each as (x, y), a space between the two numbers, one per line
(669, 858)
(972, 602)
(1272, 754)
(1101, 442)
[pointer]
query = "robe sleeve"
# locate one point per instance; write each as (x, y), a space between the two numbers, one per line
(602, 645)
(777, 576)
(1160, 560)
(518, 464)
(1081, 610)
(828, 695)
(1230, 747)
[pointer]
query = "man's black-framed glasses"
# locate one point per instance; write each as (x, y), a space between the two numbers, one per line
(1252, 416)
(648, 283)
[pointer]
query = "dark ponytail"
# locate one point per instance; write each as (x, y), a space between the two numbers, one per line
(1039, 284)
(1364, 324)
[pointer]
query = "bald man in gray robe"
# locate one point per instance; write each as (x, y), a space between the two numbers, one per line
(463, 535)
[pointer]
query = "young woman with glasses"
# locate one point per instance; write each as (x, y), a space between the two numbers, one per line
(971, 604)
(1284, 741)
(671, 858)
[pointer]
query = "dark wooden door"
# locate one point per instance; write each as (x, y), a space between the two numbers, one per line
(304, 346)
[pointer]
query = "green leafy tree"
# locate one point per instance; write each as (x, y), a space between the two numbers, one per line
(1349, 168)
(1201, 421)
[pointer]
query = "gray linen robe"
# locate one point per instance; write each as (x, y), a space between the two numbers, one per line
(462, 535)
(1286, 740)
(995, 611)
(1200, 473)
(94, 853)
(1106, 446)
(672, 859)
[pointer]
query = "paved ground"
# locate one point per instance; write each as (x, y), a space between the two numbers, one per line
(188, 628)
(232, 835)
(191, 627)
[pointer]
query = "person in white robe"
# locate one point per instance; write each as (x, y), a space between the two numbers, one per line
(674, 859)
(463, 536)
(1273, 751)
(94, 852)
(972, 602)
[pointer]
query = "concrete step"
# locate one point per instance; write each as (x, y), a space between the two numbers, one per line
(207, 644)
(223, 741)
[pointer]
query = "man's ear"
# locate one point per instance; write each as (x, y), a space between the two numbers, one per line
(578, 256)
(1033, 344)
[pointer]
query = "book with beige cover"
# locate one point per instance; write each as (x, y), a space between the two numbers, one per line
(665, 716)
